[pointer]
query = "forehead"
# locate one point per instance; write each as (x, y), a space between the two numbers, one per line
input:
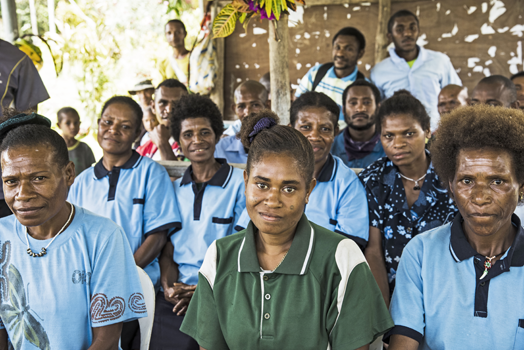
(318, 114)
(360, 92)
(148, 91)
(244, 95)
(27, 159)
(70, 116)
(449, 94)
(346, 40)
(485, 161)
(195, 124)
(404, 21)
(400, 122)
(173, 26)
(488, 90)
(275, 167)
(119, 111)
(170, 94)
(519, 81)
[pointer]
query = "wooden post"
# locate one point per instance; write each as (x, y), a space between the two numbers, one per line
(32, 12)
(10, 20)
(279, 68)
(217, 95)
(51, 14)
(381, 40)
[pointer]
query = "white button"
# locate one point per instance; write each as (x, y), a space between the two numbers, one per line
(267, 316)
(268, 296)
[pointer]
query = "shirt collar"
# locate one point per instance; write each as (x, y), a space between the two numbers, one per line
(221, 177)
(297, 259)
(351, 77)
(422, 55)
(461, 249)
(101, 171)
(328, 170)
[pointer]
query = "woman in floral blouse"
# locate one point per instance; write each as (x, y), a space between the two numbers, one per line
(405, 196)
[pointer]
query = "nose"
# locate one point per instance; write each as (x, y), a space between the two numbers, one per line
(398, 142)
(314, 134)
(25, 191)
(273, 199)
(481, 195)
(361, 107)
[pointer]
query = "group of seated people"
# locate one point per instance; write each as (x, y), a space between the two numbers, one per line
(406, 247)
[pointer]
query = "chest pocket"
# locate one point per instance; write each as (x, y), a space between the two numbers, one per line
(223, 221)
(519, 337)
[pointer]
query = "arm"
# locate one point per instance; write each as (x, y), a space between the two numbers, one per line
(106, 337)
(401, 342)
(375, 259)
(160, 137)
(150, 248)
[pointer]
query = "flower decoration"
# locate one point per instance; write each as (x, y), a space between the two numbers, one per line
(243, 10)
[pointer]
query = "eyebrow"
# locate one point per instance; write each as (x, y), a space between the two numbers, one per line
(6, 176)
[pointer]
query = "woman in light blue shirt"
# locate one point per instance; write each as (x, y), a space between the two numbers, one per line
(210, 196)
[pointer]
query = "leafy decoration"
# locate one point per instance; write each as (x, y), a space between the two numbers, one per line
(225, 21)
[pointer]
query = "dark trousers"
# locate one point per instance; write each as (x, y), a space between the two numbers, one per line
(166, 328)
(130, 337)
(4, 209)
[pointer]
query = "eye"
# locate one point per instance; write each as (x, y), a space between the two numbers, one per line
(187, 135)
(262, 186)
(39, 178)
(410, 133)
(326, 129)
(498, 182)
(126, 127)
(466, 181)
(9, 182)
(304, 127)
(288, 189)
(387, 136)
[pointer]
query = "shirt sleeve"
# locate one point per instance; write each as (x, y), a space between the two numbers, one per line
(375, 210)
(451, 76)
(407, 303)
(240, 204)
(201, 321)
(116, 292)
(31, 90)
(306, 84)
(357, 310)
(352, 214)
(243, 221)
(90, 157)
(160, 204)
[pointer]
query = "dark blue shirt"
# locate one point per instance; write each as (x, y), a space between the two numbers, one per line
(389, 212)
(338, 149)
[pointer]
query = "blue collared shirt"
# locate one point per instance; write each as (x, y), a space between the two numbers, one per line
(207, 215)
(330, 84)
(338, 203)
(338, 149)
(231, 149)
(441, 302)
(138, 196)
(430, 73)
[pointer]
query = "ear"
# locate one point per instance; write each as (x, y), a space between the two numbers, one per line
(428, 133)
(233, 107)
(98, 121)
(451, 194)
(246, 179)
(311, 186)
(361, 53)
(390, 38)
(268, 103)
(515, 105)
(337, 130)
(70, 173)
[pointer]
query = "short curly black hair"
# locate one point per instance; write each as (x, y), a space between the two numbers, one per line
(476, 127)
(129, 102)
(195, 106)
(313, 99)
(403, 102)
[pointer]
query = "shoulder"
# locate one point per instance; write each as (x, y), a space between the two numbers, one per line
(84, 176)
(344, 173)
(7, 226)
(374, 171)
(95, 227)
(226, 141)
(431, 240)
(237, 175)
(384, 64)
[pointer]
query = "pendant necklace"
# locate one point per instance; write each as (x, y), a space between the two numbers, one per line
(44, 250)
(488, 265)
(278, 263)
(417, 186)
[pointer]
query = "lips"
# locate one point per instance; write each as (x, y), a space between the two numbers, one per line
(270, 217)
(111, 140)
(27, 211)
(198, 150)
(400, 155)
(360, 116)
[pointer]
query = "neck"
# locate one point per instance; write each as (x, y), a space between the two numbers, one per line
(111, 160)
(204, 171)
(493, 244)
(179, 52)
(362, 135)
(275, 244)
(408, 55)
(415, 169)
(344, 72)
(70, 141)
(50, 228)
(318, 167)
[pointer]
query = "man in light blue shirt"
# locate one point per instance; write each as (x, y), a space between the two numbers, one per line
(411, 67)
(250, 97)
(332, 78)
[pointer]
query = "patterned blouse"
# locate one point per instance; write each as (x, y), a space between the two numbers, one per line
(389, 212)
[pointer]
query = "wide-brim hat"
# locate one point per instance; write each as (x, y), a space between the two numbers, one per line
(141, 86)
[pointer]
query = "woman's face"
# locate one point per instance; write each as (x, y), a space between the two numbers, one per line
(485, 189)
(197, 139)
(117, 129)
(276, 194)
(316, 124)
(35, 187)
(149, 120)
(403, 138)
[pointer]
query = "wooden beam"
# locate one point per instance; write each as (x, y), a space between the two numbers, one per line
(10, 19)
(279, 68)
(217, 95)
(176, 168)
(381, 40)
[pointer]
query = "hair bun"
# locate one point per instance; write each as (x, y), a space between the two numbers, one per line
(254, 124)
(23, 119)
(262, 124)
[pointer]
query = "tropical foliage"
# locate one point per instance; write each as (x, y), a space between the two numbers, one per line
(243, 10)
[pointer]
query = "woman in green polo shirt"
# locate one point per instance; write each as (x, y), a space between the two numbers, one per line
(284, 282)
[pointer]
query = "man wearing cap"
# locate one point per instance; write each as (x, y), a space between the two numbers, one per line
(144, 90)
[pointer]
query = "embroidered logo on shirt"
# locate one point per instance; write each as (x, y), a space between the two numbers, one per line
(137, 303)
(18, 316)
(103, 309)
(81, 277)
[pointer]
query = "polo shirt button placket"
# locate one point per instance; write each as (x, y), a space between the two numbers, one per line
(266, 277)
(268, 296)
(267, 315)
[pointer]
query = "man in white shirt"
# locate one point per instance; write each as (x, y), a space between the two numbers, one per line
(411, 67)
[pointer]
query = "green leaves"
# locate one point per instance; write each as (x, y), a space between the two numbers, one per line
(225, 21)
